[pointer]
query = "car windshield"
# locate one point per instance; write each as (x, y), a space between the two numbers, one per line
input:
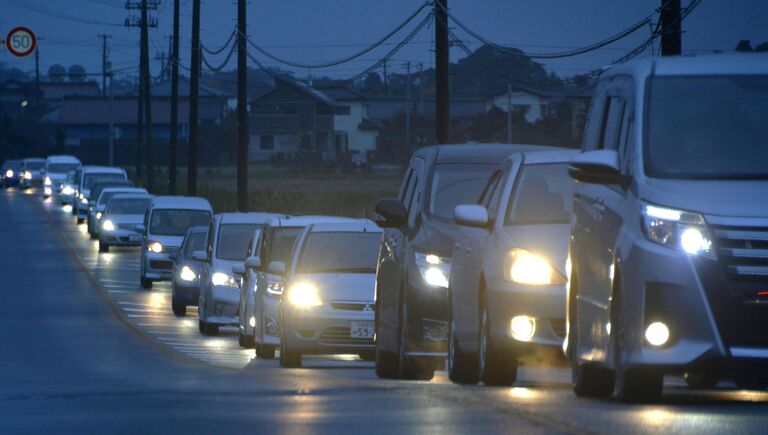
(282, 243)
(170, 222)
(351, 252)
(454, 184)
(543, 196)
(194, 242)
(34, 165)
(90, 179)
(708, 127)
(62, 168)
(104, 197)
(11, 164)
(233, 240)
(128, 206)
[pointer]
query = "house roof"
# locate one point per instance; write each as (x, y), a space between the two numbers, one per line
(95, 110)
(311, 92)
(163, 89)
(60, 90)
(341, 92)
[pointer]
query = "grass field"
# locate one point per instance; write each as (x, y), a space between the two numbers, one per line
(291, 190)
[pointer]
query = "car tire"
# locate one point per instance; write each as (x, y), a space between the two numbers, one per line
(498, 366)
(94, 236)
(411, 368)
(103, 247)
(146, 283)
(386, 362)
(200, 326)
(369, 356)
(701, 380)
(80, 221)
(246, 341)
(463, 367)
(289, 358)
(179, 309)
(265, 351)
(210, 329)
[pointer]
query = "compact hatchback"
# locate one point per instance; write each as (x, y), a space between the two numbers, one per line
(669, 238)
(32, 173)
(186, 271)
(219, 286)
(122, 220)
(328, 305)
(165, 224)
(507, 285)
(415, 256)
(99, 203)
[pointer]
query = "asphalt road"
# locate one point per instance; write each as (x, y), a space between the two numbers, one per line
(85, 349)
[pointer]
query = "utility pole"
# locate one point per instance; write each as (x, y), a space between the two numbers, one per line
(193, 94)
(386, 80)
(147, 94)
(140, 123)
(671, 28)
(111, 150)
(104, 67)
(174, 100)
(37, 77)
(509, 113)
(242, 109)
(408, 104)
(421, 88)
(442, 83)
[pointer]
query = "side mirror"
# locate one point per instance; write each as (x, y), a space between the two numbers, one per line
(390, 213)
(598, 167)
(174, 256)
(253, 262)
(471, 215)
(238, 269)
(276, 267)
(141, 229)
(200, 256)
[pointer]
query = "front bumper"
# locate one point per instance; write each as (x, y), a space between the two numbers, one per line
(270, 322)
(119, 237)
(428, 314)
(224, 302)
(325, 330)
(157, 266)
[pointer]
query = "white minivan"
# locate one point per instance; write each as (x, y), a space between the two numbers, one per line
(57, 169)
(88, 177)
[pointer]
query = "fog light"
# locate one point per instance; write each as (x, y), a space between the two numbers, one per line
(522, 328)
(657, 334)
(252, 322)
(47, 191)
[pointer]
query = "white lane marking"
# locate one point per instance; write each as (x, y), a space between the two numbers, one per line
(140, 304)
(119, 291)
(131, 287)
(181, 332)
(144, 310)
(139, 316)
(159, 325)
(116, 281)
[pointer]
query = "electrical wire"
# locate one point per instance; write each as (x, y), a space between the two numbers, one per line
(57, 14)
(362, 52)
(223, 64)
(223, 47)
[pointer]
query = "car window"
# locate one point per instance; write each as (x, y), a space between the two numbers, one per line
(414, 206)
(281, 245)
(543, 195)
(232, 243)
(168, 222)
(62, 167)
(405, 189)
(612, 123)
(457, 183)
(329, 252)
(195, 242)
(34, 166)
(128, 206)
(90, 179)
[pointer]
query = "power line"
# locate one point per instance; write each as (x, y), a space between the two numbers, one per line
(223, 47)
(24, 4)
(223, 64)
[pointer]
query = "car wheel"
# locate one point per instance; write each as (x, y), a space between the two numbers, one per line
(367, 356)
(409, 367)
(463, 367)
(200, 326)
(289, 358)
(210, 329)
(245, 341)
(701, 380)
(386, 362)
(179, 309)
(497, 366)
(103, 247)
(265, 351)
(80, 220)
(146, 283)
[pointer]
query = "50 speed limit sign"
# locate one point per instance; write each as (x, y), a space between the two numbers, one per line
(21, 42)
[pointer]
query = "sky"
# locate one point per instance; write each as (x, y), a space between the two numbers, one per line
(321, 30)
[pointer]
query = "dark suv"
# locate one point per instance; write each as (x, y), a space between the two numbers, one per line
(414, 261)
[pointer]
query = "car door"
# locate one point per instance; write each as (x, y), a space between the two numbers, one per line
(205, 271)
(249, 286)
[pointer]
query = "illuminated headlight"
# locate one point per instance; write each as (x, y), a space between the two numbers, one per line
(524, 267)
(27, 175)
(47, 181)
(9, 174)
(108, 225)
(187, 274)
(304, 295)
(98, 215)
(224, 279)
(273, 287)
(83, 200)
(155, 247)
(522, 328)
(677, 230)
(67, 190)
(436, 271)
(47, 191)
(657, 334)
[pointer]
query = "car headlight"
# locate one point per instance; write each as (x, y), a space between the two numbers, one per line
(47, 181)
(274, 287)
(67, 190)
(83, 200)
(187, 274)
(304, 295)
(524, 267)
(9, 174)
(108, 225)
(98, 215)
(435, 270)
(155, 247)
(677, 229)
(224, 279)
(27, 175)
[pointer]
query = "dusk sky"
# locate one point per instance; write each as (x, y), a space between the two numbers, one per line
(319, 30)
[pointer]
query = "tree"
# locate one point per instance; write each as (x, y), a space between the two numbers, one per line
(745, 45)
(372, 84)
(763, 47)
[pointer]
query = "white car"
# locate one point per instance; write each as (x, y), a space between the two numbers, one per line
(122, 219)
(165, 224)
(31, 173)
(219, 286)
(100, 204)
(88, 177)
(57, 169)
(328, 305)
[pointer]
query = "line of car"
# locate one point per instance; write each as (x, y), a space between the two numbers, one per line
(645, 254)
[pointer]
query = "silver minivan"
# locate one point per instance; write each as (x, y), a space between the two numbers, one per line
(669, 235)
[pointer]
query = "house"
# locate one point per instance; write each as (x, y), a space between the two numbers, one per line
(294, 121)
(532, 104)
(54, 92)
(381, 107)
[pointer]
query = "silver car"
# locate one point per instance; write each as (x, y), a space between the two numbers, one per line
(669, 238)
(120, 224)
(328, 305)
(219, 286)
(507, 283)
(96, 213)
(186, 271)
(248, 288)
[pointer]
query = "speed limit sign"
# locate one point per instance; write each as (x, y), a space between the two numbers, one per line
(21, 42)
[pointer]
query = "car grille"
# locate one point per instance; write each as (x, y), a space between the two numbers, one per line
(352, 306)
(161, 264)
(340, 335)
(740, 304)
(129, 227)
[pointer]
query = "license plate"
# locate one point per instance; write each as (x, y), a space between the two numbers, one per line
(134, 238)
(361, 329)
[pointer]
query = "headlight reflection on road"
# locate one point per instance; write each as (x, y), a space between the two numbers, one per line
(523, 393)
